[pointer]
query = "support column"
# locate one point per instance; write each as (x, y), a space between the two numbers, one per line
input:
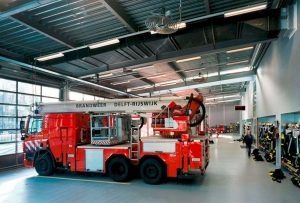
(64, 92)
(278, 174)
(278, 142)
(241, 123)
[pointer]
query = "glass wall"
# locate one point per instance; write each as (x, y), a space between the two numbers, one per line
(76, 96)
(15, 100)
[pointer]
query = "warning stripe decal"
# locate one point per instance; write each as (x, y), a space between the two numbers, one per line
(33, 145)
(27, 146)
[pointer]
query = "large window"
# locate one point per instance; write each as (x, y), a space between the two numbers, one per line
(50, 92)
(7, 110)
(7, 85)
(29, 88)
(7, 97)
(76, 96)
(15, 100)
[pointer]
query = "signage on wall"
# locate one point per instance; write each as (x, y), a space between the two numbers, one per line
(240, 108)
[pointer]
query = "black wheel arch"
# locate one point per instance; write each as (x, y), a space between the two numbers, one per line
(114, 156)
(43, 152)
(145, 157)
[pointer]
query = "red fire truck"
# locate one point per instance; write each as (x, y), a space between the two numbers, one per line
(105, 137)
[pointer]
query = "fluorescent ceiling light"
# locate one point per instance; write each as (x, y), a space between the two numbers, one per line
(222, 97)
(167, 84)
(105, 75)
(119, 83)
(105, 43)
(197, 69)
(245, 10)
(232, 100)
(141, 68)
(238, 62)
(212, 74)
(232, 71)
(204, 75)
(139, 88)
(188, 59)
(116, 71)
(230, 96)
(155, 76)
(214, 98)
(49, 57)
(181, 25)
(238, 50)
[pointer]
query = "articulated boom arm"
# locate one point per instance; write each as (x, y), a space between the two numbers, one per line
(137, 105)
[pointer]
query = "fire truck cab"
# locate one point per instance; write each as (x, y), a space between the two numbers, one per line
(109, 140)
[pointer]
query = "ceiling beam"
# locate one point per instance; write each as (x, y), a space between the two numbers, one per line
(181, 54)
(138, 76)
(66, 77)
(115, 8)
(207, 6)
(12, 72)
(276, 4)
(225, 92)
(177, 70)
(213, 81)
(145, 37)
(24, 20)
(12, 55)
(24, 7)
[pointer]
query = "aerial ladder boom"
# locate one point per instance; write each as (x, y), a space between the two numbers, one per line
(136, 105)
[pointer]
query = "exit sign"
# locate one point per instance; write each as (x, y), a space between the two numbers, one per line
(240, 108)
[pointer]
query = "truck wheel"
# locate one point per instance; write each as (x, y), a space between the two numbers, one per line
(43, 165)
(118, 169)
(152, 171)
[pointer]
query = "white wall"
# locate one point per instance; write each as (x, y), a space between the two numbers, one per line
(278, 78)
(223, 113)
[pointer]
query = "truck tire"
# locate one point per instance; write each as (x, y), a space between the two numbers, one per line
(152, 171)
(43, 165)
(119, 169)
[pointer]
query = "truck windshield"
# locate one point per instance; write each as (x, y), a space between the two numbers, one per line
(35, 125)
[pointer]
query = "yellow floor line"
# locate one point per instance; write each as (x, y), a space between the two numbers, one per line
(84, 180)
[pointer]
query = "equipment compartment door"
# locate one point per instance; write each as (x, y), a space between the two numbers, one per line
(64, 144)
(94, 160)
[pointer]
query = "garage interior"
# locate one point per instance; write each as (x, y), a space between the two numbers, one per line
(240, 56)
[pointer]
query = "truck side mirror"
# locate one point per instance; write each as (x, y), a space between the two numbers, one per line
(22, 125)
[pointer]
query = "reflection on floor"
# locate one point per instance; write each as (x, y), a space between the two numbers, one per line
(231, 177)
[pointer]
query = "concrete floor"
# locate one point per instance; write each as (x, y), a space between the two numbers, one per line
(231, 177)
